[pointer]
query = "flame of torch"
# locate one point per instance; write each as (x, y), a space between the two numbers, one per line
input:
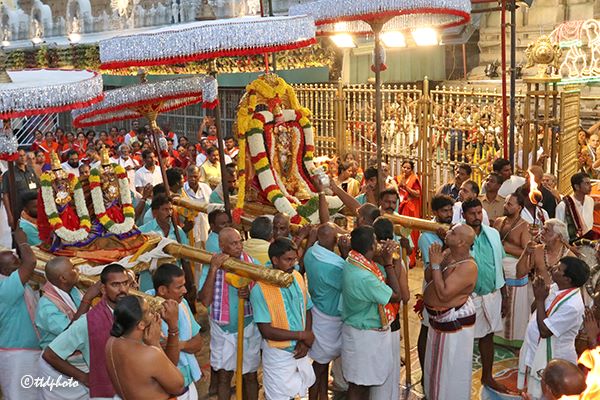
(591, 360)
(535, 196)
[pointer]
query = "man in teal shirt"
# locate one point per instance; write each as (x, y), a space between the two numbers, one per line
(61, 304)
(283, 316)
(19, 340)
(488, 296)
(169, 283)
(221, 299)
(366, 338)
(324, 271)
(162, 224)
(28, 221)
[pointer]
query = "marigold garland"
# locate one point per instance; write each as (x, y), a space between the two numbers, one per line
(54, 219)
(125, 197)
(251, 123)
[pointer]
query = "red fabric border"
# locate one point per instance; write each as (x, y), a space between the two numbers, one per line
(465, 17)
(80, 120)
(202, 56)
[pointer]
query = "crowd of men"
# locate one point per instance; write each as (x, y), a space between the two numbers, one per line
(497, 256)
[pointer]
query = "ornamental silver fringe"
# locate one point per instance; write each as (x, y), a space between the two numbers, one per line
(46, 88)
(188, 88)
(337, 9)
(205, 37)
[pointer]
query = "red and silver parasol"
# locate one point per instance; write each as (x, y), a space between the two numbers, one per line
(148, 100)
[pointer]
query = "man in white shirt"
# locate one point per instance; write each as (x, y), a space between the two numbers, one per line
(554, 324)
(132, 133)
(510, 182)
(577, 210)
(149, 174)
(125, 161)
(71, 166)
(469, 190)
(200, 192)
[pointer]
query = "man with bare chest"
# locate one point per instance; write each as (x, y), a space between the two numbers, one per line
(514, 233)
(450, 280)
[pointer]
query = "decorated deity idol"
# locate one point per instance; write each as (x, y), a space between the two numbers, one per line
(275, 161)
(63, 217)
(65, 225)
(111, 197)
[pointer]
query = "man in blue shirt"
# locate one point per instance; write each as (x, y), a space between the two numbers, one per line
(489, 293)
(324, 273)
(19, 339)
(441, 208)
(169, 283)
(61, 304)
(284, 318)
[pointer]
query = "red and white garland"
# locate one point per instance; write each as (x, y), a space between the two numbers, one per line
(67, 235)
(125, 198)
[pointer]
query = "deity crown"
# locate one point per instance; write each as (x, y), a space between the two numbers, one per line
(55, 161)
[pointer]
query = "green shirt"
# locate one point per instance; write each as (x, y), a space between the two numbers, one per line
(362, 292)
(153, 227)
(31, 231)
(293, 301)
(324, 271)
(486, 268)
(51, 321)
(16, 326)
(75, 338)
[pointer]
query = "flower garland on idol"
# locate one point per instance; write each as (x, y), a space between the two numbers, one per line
(125, 197)
(56, 222)
(250, 131)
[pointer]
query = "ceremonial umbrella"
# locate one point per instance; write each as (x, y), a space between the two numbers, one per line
(208, 39)
(39, 91)
(368, 16)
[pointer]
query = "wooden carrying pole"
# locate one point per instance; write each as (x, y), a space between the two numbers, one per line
(238, 282)
(407, 360)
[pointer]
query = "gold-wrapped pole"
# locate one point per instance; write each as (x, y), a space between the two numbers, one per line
(190, 204)
(415, 223)
(241, 268)
(85, 281)
(253, 210)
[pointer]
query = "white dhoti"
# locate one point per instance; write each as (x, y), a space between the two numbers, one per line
(190, 394)
(18, 369)
(328, 337)
(366, 356)
(390, 390)
(489, 313)
(74, 391)
(223, 348)
(285, 377)
(528, 375)
(519, 307)
(449, 355)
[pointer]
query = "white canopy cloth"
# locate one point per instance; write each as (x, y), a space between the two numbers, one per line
(333, 16)
(207, 39)
(128, 102)
(42, 91)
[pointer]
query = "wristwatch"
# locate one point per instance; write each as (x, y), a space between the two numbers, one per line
(435, 267)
